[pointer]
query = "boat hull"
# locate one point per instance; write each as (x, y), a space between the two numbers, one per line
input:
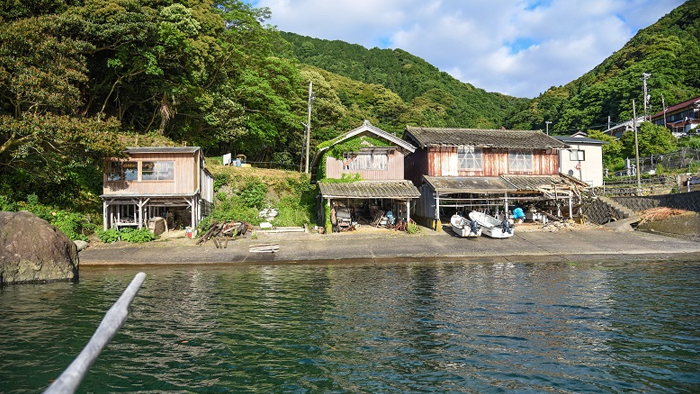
(462, 228)
(492, 227)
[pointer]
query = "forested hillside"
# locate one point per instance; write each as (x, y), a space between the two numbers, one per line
(80, 79)
(669, 50)
(435, 98)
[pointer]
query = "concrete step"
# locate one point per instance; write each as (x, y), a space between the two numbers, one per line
(621, 209)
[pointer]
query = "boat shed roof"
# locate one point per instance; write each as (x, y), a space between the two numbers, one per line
(369, 189)
(482, 138)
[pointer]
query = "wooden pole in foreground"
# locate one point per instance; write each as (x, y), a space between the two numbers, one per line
(115, 317)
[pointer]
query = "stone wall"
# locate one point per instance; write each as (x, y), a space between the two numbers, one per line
(688, 201)
(602, 210)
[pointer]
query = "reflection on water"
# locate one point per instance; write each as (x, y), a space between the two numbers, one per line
(404, 328)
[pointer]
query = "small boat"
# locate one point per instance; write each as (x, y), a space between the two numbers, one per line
(464, 227)
(492, 227)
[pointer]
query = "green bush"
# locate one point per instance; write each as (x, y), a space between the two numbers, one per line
(254, 195)
(126, 234)
(6, 204)
(220, 180)
(74, 225)
(412, 228)
(137, 236)
(108, 236)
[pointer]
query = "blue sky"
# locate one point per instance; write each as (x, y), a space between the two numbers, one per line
(515, 47)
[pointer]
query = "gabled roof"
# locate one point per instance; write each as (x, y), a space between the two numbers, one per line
(482, 138)
(367, 127)
(369, 189)
(162, 149)
(679, 106)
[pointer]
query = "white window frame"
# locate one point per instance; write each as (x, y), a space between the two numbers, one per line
(366, 161)
(520, 160)
(577, 155)
(470, 158)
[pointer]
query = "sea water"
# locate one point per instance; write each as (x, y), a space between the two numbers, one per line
(364, 328)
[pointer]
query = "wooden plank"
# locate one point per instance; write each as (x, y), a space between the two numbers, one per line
(264, 248)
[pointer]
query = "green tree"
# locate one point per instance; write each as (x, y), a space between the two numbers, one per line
(652, 140)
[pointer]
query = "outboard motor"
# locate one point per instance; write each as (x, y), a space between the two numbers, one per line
(474, 226)
(506, 226)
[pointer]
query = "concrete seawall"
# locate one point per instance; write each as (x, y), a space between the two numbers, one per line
(596, 244)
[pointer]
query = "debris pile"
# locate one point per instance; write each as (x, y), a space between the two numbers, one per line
(555, 226)
(221, 233)
(661, 213)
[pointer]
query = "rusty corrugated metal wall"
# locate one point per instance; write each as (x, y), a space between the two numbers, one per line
(442, 161)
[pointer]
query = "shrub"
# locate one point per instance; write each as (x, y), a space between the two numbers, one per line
(108, 236)
(254, 195)
(6, 204)
(412, 227)
(137, 236)
(72, 224)
(125, 234)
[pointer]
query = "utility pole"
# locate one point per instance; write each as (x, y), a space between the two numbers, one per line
(636, 147)
(645, 76)
(663, 104)
(308, 125)
(546, 124)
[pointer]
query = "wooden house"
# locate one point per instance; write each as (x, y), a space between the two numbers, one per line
(682, 118)
(477, 169)
(150, 182)
(372, 162)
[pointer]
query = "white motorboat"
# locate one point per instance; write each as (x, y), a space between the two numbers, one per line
(464, 227)
(492, 227)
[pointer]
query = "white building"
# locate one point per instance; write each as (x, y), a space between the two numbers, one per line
(583, 160)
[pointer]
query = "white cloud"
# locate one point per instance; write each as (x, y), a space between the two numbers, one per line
(516, 47)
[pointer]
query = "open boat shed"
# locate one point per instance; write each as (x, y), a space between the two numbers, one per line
(441, 196)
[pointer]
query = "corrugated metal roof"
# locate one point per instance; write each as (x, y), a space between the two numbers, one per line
(496, 184)
(162, 149)
(472, 184)
(534, 182)
(482, 138)
(369, 189)
(579, 140)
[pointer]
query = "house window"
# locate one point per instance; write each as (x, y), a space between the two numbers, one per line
(366, 161)
(157, 171)
(577, 155)
(520, 160)
(118, 171)
(469, 158)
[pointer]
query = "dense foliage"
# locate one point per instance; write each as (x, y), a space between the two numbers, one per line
(428, 97)
(669, 50)
(82, 79)
(77, 75)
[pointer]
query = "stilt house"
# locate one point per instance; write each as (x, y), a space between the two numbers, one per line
(168, 182)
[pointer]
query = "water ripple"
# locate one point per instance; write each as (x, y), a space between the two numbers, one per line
(410, 328)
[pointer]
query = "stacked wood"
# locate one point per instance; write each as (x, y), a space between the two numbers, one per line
(227, 229)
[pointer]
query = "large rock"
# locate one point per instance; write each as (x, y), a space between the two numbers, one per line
(32, 250)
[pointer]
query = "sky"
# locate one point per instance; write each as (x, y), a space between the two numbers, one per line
(516, 47)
